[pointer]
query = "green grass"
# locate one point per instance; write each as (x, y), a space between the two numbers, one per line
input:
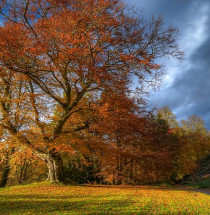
(203, 183)
(44, 198)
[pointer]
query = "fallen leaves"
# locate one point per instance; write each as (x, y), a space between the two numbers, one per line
(44, 198)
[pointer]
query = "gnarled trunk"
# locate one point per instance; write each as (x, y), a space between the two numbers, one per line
(55, 167)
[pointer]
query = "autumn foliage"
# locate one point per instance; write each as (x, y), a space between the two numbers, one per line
(68, 70)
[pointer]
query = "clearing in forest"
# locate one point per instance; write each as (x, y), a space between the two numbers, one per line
(45, 198)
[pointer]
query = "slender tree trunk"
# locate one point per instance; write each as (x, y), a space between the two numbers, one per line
(131, 171)
(119, 170)
(5, 176)
(55, 167)
(113, 178)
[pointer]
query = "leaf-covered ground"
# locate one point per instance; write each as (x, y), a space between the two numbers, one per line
(59, 199)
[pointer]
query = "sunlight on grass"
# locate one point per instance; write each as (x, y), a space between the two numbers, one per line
(44, 198)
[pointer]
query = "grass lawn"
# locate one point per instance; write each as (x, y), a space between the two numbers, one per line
(203, 183)
(44, 198)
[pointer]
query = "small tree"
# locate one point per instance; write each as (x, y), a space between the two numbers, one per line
(166, 114)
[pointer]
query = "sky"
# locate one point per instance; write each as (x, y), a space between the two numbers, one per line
(186, 87)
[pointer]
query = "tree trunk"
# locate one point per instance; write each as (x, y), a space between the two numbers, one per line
(6, 169)
(5, 175)
(131, 171)
(55, 167)
(119, 170)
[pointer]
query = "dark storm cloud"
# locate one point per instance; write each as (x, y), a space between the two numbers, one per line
(192, 88)
(172, 10)
(189, 91)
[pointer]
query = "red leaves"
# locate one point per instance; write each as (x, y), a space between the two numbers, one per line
(69, 66)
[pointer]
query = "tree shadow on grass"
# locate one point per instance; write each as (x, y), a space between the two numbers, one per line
(35, 204)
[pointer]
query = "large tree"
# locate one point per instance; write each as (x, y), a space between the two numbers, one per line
(57, 57)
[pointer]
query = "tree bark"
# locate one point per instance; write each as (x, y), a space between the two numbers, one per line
(6, 169)
(5, 176)
(55, 167)
(119, 170)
